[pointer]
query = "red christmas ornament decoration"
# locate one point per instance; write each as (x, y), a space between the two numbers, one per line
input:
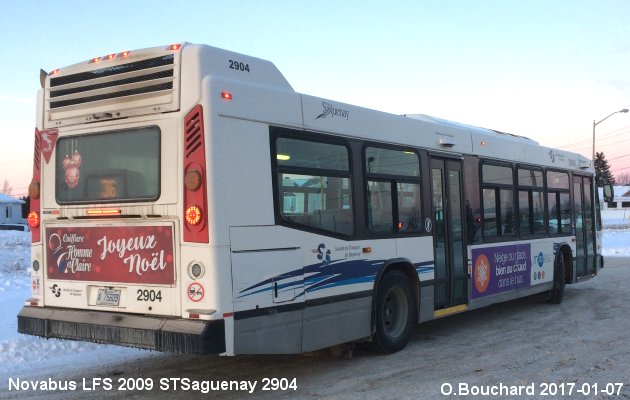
(76, 159)
(72, 177)
(72, 165)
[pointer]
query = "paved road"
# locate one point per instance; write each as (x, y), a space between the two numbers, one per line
(583, 342)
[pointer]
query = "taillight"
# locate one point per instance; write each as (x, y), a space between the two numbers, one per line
(34, 191)
(193, 215)
(195, 186)
(47, 138)
(192, 180)
(33, 219)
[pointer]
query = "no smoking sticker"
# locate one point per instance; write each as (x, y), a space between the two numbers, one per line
(195, 292)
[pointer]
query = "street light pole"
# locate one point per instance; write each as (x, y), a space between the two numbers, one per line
(625, 110)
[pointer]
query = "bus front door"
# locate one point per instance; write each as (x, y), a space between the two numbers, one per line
(584, 226)
(451, 274)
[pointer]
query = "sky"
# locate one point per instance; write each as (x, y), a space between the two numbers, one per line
(545, 69)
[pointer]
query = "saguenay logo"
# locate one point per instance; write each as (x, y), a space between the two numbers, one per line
(332, 111)
(323, 254)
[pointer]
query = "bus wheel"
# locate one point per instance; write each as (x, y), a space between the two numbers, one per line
(395, 312)
(554, 296)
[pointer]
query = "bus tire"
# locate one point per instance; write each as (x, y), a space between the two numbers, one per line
(554, 296)
(395, 312)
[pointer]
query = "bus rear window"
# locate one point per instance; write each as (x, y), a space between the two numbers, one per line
(119, 166)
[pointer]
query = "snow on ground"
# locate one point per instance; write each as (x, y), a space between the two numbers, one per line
(616, 218)
(22, 355)
(616, 237)
(616, 243)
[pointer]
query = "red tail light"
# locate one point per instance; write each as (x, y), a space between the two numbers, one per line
(33, 219)
(193, 215)
(33, 216)
(195, 186)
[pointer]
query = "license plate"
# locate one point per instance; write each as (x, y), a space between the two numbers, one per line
(108, 297)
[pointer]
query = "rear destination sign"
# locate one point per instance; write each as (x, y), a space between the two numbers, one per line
(138, 254)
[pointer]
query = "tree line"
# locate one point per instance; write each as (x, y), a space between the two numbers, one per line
(603, 174)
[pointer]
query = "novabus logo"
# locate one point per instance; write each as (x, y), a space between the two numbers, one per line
(332, 111)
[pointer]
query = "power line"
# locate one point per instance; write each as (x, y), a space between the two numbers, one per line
(616, 158)
(625, 127)
(589, 143)
(603, 136)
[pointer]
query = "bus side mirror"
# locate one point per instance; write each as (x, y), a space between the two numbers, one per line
(609, 193)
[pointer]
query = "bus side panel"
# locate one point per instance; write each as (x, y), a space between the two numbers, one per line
(419, 250)
(295, 291)
(337, 322)
(267, 290)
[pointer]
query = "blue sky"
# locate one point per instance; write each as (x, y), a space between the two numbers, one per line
(542, 69)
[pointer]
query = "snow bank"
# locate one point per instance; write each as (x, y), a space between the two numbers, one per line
(15, 253)
(616, 242)
(616, 218)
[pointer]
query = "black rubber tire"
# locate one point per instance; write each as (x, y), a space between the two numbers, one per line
(554, 296)
(395, 312)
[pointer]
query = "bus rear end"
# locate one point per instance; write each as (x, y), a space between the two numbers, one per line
(120, 248)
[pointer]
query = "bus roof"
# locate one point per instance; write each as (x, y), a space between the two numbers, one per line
(263, 81)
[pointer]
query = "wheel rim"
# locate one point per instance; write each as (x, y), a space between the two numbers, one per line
(395, 310)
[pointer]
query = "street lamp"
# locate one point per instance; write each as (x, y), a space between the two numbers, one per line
(625, 110)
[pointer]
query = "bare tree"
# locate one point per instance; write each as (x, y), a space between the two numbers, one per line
(6, 188)
(623, 179)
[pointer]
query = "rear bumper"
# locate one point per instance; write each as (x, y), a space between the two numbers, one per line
(154, 333)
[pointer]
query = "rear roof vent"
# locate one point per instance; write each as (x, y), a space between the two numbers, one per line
(146, 82)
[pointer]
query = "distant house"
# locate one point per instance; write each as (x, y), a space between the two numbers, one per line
(621, 201)
(11, 213)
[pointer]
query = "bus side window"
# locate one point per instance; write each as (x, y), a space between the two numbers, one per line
(393, 191)
(559, 202)
(315, 185)
(499, 218)
(531, 202)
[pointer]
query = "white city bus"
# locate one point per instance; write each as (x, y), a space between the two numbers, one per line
(185, 198)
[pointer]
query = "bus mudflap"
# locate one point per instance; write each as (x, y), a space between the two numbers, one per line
(153, 333)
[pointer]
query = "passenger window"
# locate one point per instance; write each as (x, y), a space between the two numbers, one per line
(531, 202)
(315, 185)
(393, 191)
(499, 218)
(559, 202)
